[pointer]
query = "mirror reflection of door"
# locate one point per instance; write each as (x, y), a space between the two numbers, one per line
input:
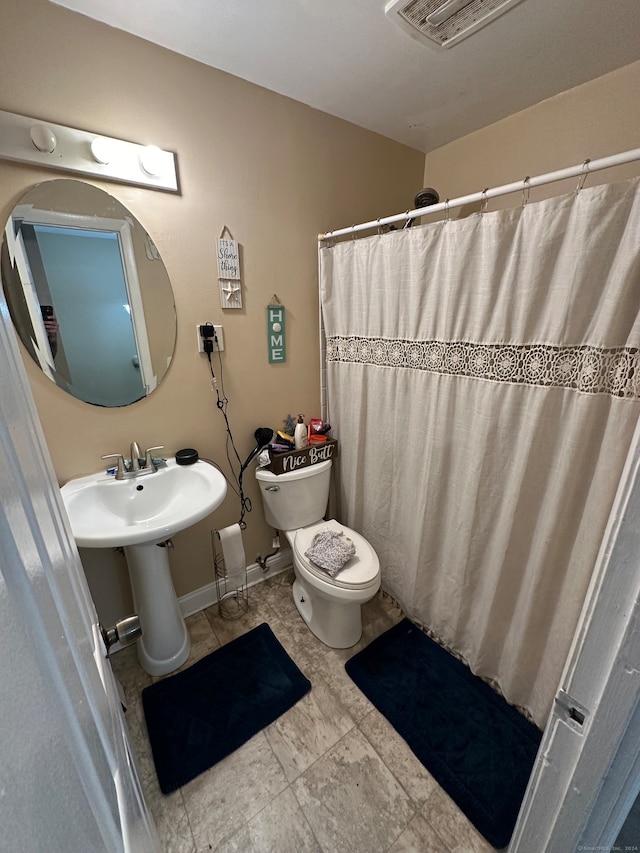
(80, 264)
(88, 293)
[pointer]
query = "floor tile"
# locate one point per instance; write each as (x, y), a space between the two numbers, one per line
(306, 731)
(419, 837)
(352, 801)
(232, 792)
(203, 639)
(172, 822)
(280, 827)
(453, 826)
(399, 758)
(228, 629)
(330, 667)
(277, 592)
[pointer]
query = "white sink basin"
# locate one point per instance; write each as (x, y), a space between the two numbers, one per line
(108, 513)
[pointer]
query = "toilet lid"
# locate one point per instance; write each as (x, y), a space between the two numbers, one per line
(361, 570)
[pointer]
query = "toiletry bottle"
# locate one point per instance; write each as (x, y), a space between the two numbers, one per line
(300, 436)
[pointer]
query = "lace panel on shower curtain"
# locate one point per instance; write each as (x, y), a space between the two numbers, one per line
(589, 369)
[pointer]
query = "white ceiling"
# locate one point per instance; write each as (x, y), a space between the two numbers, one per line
(347, 58)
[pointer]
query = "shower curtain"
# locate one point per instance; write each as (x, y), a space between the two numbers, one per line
(482, 377)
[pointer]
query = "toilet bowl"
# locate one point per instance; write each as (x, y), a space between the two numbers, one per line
(294, 503)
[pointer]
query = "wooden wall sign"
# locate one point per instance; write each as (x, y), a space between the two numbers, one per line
(228, 256)
(276, 332)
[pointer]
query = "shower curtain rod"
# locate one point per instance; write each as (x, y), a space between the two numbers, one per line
(524, 185)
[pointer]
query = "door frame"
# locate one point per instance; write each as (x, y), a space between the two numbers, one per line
(587, 772)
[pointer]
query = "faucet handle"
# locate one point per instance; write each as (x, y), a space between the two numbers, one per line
(121, 466)
(148, 458)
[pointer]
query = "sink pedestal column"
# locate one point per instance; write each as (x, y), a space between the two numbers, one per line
(165, 643)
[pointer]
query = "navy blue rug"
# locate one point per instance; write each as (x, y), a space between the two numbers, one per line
(199, 716)
(477, 746)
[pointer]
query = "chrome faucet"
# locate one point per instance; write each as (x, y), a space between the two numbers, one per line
(135, 455)
(134, 469)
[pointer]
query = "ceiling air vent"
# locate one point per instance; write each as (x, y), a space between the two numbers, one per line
(443, 24)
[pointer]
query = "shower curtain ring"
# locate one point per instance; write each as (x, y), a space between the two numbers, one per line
(485, 200)
(379, 226)
(526, 189)
(355, 233)
(583, 175)
(447, 212)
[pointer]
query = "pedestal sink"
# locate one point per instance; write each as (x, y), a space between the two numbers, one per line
(141, 514)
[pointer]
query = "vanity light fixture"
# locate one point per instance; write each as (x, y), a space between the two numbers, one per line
(55, 146)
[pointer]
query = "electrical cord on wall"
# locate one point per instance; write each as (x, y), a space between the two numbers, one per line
(222, 402)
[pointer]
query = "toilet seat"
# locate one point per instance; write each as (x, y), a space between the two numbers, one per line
(360, 572)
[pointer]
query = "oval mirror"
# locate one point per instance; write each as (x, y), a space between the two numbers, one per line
(88, 293)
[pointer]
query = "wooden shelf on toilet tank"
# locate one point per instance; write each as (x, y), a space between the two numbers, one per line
(292, 460)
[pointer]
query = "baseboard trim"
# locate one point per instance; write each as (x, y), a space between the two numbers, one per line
(205, 596)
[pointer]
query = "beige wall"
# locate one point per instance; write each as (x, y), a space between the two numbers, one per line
(594, 120)
(275, 172)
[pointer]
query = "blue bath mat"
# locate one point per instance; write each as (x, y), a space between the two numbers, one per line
(477, 747)
(199, 716)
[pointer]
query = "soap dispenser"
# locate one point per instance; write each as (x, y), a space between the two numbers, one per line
(300, 437)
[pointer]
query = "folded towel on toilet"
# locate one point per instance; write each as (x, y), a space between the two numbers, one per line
(330, 551)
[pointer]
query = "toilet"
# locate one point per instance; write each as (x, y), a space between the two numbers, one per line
(295, 503)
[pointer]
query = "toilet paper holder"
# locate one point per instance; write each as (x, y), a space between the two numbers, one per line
(230, 573)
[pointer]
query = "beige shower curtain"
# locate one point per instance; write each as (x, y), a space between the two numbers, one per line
(482, 377)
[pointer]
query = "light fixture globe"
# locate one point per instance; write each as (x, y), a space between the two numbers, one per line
(101, 150)
(151, 160)
(43, 138)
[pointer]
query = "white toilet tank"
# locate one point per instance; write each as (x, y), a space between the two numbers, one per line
(297, 498)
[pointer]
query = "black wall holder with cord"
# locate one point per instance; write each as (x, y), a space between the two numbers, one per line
(208, 336)
(262, 435)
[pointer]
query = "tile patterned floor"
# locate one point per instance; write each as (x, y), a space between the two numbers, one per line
(329, 776)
